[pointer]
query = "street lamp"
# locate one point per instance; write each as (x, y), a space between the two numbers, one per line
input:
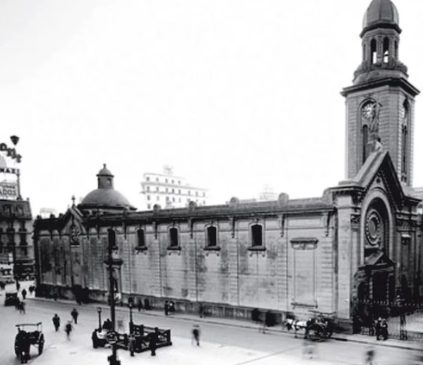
(99, 318)
(131, 323)
(112, 261)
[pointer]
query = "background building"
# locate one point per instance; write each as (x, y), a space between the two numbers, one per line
(16, 245)
(170, 191)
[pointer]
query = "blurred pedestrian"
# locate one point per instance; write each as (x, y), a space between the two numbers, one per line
(139, 305)
(403, 327)
(201, 310)
(18, 286)
(384, 329)
(378, 325)
(68, 329)
(56, 322)
(31, 289)
(166, 308)
(153, 343)
(196, 335)
(24, 294)
(308, 348)
(369, 356)
(21, 307)
(75, 314)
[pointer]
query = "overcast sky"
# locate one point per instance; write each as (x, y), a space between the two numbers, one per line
(234, 94)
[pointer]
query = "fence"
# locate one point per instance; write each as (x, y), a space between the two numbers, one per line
(404, 319)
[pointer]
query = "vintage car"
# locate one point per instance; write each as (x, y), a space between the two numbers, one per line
(11, 299)
(28, 334)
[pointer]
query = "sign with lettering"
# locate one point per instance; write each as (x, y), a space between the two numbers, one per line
(8, 191)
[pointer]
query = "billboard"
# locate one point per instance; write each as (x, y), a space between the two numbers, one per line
(8, 191)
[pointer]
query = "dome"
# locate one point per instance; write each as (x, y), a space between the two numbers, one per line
(105, 198)
(105, 172)
(381, 12)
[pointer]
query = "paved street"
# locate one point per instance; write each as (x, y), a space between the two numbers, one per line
(226, 344)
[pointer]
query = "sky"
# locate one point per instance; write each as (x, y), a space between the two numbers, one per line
(234, 94)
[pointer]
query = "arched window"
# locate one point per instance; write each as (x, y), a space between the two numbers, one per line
(111, 235)
(140, 238)
(365, 142)
(211, 236)
(373, 51)
(256, 235)
(386, 50)
(404, 141)
(173, 236)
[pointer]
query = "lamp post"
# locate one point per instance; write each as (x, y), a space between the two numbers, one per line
(131, 323)
(112, 261)
(99, 318)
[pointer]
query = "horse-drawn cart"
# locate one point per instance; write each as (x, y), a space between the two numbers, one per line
(25, 338)
(318, 327)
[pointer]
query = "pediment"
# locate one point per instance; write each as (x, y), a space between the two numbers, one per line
(378, 259)
(378, 172)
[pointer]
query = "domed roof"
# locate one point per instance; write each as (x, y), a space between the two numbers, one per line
(105, 198)
(381, 12)
(105, 171)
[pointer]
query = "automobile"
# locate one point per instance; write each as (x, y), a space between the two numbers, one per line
(28, 334)
(11, 299)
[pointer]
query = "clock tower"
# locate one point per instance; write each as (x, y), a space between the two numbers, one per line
(380, 103)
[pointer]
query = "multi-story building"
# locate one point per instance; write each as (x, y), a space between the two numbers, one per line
(16, 245)
(170, 191)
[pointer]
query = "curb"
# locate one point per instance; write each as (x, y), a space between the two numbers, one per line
(338, 337)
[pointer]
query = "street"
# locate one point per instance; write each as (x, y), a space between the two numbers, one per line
(220, 343)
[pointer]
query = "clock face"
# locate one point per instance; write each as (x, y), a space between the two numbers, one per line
(368, 111)
(374, 228)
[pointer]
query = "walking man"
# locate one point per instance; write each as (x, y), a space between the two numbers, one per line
(68, 329)
(75, 314)
(196, 335)
(153, 343)
(24, 294)
(56, 322)
(166, 308)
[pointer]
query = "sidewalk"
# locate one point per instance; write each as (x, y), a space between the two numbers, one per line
(357, 338)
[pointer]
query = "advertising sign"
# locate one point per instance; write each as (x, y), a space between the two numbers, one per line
(8, 191)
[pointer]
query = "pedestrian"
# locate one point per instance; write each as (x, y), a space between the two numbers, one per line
(166, 308)
(403, 327)
(384, 329)
(152, 343)
(21, 307)
(139, 305)
(18, 285)
(31, 289)
(75, 314)
(68, 329)
(201, 310)
(370, 355)
(378, 324)
(196, 335)
(56, 322)
(24, 294)
(308, 348)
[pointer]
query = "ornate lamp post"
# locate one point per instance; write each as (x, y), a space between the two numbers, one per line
(113, 262)
(131, 323)
(99, 318)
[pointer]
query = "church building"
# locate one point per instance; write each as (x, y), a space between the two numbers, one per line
(361, 240)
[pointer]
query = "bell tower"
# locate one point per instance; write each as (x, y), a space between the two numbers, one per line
(380, 103)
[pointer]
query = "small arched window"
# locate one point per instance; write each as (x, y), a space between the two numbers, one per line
(386, 50)
(404, 141)
(140, 238)
(373, 51)
(173, 236)
(211, 236)
(111, 236)
(256, 235)
(365, 142)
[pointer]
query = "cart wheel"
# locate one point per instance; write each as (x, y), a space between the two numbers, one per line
(41, 345)
(314, 333)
